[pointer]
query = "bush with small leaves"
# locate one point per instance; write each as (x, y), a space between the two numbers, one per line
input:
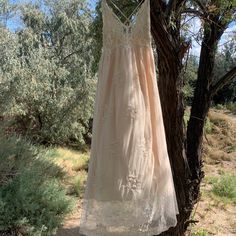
(32, 200)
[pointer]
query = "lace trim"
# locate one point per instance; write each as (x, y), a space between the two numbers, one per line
(126, 218)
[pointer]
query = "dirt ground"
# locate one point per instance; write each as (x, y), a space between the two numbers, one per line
(71, 226)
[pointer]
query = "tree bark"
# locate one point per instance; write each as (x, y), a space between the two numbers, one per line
(202, 99)
(170, 83)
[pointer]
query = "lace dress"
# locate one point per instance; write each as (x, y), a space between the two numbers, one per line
(129, 189)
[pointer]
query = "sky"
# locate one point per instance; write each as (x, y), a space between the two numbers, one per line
(14, 24)
(226, 37)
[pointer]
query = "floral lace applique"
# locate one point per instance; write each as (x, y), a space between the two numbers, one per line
(130, 186)
(133, 182)
(144, 147)
(132, 112)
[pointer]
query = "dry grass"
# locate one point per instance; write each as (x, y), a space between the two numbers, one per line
(218, 155)
(216, 213)
(75, 163)
(72, 161)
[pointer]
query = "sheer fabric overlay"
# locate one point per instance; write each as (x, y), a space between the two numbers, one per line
(129, 189)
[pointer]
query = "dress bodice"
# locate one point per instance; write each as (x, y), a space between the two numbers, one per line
(116, 33)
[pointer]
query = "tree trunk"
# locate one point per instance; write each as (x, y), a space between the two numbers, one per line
(170, 84)
(202, 100)
(173, 111)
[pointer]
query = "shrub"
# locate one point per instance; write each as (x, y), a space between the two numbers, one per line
(208, 126)
(47, 87)
(225, 187)
(78, 184)
(32, 200)
(200, 232)
(232, 107)
(219, 106)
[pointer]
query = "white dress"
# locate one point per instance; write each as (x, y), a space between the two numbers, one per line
(129, 189)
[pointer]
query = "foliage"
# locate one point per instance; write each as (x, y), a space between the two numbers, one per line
(219, 107)
(7, 11)
(225, 60)
(229, 105)
(186, 117)
(190, 76)
(208, 126)
(200, 232)
(49, 88)
(96, 35)
(32, 200)
(78, 183)
(232, 107)
(225, 187)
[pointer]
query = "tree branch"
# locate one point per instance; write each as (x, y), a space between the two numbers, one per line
(201, 6)
(230, 75)
(193, 11)
(170, 6)
(70, 54)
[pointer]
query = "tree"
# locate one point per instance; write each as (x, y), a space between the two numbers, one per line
(48, 86)
(185, 143)
(7, 11)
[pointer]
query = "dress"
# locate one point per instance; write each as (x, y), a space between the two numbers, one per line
(129, 188)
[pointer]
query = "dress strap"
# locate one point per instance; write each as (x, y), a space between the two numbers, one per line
(118, 9)
(136, 8)
(127, 18)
